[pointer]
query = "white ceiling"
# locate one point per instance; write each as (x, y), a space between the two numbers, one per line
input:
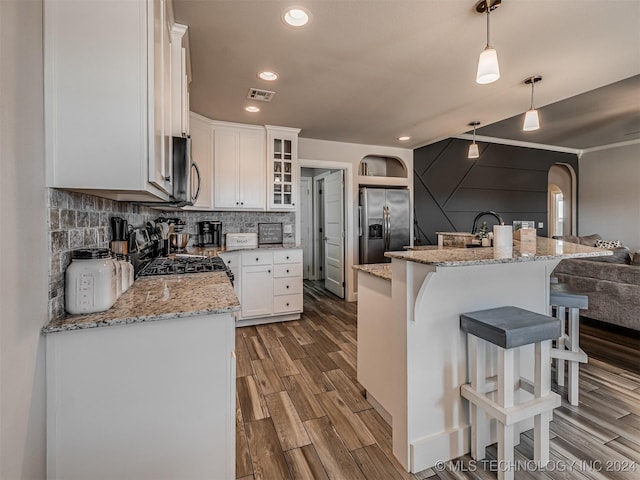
(368, 71)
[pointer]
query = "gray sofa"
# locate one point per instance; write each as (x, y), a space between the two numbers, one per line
(612, 283)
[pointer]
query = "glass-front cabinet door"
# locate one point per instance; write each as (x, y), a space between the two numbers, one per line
(283, 167)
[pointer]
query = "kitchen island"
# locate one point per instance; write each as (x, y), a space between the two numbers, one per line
(426, 351)
(145, 390)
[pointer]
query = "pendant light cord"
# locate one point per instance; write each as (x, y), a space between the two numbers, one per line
(488, 29)
(532, 84)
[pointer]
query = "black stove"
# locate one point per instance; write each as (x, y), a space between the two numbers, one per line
(184, 264)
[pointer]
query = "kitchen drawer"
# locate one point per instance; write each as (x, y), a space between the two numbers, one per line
(287, 256)
(287, 303)
(231, 260)
(287, 270)
(287, 286)
(256, 258)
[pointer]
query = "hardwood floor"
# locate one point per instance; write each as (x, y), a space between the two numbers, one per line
(301, 413)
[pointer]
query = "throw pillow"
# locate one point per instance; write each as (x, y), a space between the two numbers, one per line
(608, 243)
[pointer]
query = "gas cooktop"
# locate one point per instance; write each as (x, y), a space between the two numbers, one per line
(184, 264)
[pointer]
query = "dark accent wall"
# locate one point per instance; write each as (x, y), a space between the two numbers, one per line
(450, 189)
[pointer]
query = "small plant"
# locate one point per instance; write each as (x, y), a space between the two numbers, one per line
(483, 231)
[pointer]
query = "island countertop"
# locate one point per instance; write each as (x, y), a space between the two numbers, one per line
(543, 249)
(159, 297)
(381, 270)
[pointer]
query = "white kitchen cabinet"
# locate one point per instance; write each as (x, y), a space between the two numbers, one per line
(146, 401)
(257, 291)
(268, 283)
(283, 170)
(107, 97)
(239, 167)
(180, 79)
(202, 155)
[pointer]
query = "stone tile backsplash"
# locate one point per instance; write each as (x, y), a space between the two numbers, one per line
(82, 221)
(233, 222)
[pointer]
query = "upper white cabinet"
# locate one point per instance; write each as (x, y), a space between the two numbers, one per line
(239, 167)
(282, 167)
(180, 79)
(202, 155)
(108, 91)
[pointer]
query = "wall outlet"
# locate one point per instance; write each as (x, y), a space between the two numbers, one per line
(288, 228)
(540, 224)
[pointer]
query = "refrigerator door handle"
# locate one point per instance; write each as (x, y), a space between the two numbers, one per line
(387, 227)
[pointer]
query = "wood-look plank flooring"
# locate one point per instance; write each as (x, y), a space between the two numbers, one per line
(301, 413)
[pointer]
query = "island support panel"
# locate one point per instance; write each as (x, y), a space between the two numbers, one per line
(429, 418)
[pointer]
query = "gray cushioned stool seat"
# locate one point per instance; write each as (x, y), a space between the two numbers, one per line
(510, 327)
(562, 296)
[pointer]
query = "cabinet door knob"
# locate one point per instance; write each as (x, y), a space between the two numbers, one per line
(293, 204)
(287, 259)
(287, 287)
(268, 271)
(287, 304)
(237, 203)
(257, 259)
(287, 270)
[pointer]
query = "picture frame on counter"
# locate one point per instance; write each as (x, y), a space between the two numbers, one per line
(269, 233)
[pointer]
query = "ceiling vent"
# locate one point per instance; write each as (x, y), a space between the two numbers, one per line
(261, 95)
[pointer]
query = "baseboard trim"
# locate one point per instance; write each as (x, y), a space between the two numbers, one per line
(262, 320)
(426, 452)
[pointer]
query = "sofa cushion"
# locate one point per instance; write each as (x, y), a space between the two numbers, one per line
(589, 240)
(620, 255)
(612, 272)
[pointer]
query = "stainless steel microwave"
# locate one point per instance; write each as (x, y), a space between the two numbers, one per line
(186, 175)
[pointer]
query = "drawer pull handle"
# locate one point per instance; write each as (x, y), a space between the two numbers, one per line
(287, 286)
(268, 271)
(257, 259)
(287, 304)
(287, 259)
(287, 270)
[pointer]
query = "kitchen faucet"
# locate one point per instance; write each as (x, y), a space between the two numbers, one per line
(482, 214)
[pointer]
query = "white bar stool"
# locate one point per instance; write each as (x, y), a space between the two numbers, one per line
(509, 328)
(568, 344)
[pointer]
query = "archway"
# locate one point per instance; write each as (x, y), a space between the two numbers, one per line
(561, 202)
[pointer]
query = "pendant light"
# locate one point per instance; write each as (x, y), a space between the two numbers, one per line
(474, 152)
(488, 69)
(531, 118)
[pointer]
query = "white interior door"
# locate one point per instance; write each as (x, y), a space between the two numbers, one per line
(334, 233)
(306, 227)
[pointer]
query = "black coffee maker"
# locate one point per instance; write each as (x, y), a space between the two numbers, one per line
(209, 234)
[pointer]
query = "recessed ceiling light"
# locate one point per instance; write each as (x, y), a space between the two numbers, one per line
(296, 16)
(404, 138)
(269, 76)
(252, 109)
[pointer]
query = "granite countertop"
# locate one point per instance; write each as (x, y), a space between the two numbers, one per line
(543, 249)
(160, 297)
(381, 270)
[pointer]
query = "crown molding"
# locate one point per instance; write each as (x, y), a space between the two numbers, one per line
(611, 145)
(518, 143)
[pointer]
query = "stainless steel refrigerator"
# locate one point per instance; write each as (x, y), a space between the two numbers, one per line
(385, 222)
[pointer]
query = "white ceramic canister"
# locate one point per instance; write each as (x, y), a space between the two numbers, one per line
(124, 272)
(118, 266)
(131, 274)
(90, 281)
